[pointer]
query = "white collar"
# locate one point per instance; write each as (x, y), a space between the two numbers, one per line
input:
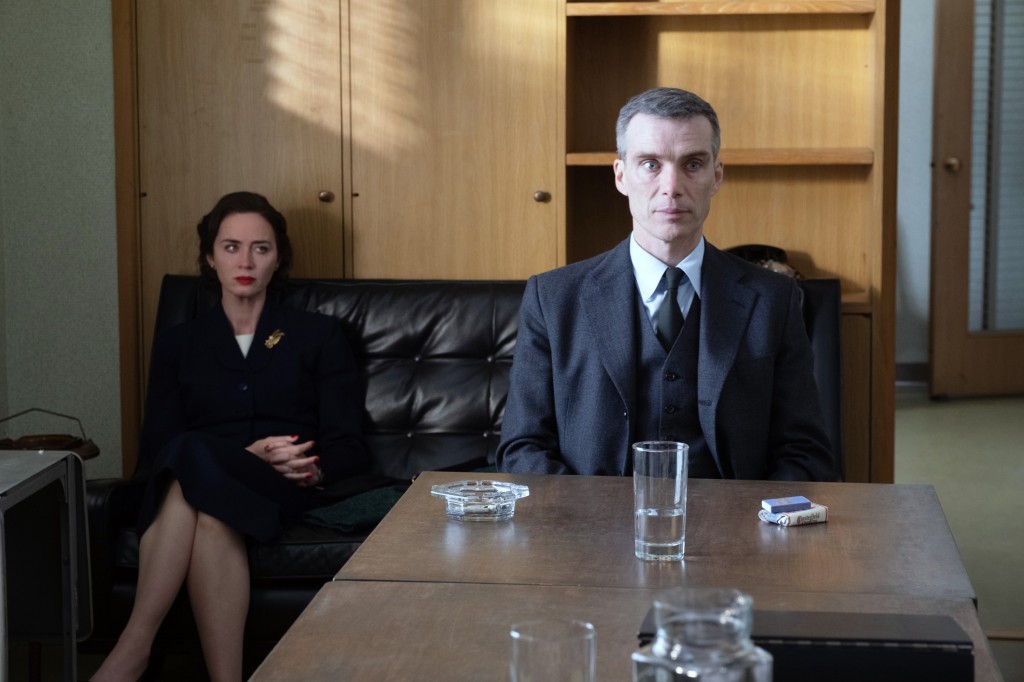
(648, 270)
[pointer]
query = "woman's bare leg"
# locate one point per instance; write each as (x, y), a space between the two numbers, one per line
(165, 552)
(218, 589)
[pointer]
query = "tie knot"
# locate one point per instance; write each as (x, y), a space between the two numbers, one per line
(673, 276)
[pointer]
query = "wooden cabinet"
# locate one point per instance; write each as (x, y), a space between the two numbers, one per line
(474, 139)
(806, 96)
(455, 170)
(401, 139)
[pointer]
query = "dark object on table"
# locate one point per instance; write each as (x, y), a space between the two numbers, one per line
(840, 647)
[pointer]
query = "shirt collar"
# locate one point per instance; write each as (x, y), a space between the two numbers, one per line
(648, 270)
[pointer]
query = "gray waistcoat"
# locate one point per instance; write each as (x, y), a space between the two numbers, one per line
(667, 391)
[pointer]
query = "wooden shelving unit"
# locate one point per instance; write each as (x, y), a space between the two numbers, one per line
(718, 7)
(806, 95)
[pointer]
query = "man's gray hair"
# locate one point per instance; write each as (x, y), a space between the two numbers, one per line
(671, 103)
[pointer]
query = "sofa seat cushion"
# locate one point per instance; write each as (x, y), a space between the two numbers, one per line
(303, 551)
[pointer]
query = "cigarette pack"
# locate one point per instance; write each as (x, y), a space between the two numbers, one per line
(780, 505)
(818, 513)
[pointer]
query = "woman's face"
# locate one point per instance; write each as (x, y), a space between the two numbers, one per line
(244, 255)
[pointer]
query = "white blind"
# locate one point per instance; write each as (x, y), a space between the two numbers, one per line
(997, 168)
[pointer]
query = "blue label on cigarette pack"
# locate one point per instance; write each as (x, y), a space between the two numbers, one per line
(780, 505)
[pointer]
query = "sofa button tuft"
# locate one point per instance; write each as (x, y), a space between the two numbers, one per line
(242, 386)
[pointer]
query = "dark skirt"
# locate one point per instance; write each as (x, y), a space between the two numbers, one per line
(228, 482)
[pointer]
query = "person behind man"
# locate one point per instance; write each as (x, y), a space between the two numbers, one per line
(601, 361)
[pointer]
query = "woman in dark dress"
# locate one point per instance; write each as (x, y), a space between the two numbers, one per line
(249, 407)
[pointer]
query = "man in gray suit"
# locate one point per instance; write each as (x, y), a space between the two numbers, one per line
(601, 361)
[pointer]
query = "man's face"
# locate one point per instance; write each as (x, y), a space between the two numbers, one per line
(669, 175)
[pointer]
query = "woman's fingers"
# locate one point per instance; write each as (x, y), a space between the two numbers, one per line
(289, 458)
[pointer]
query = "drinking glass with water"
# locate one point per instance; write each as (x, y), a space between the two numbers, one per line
(659, 499)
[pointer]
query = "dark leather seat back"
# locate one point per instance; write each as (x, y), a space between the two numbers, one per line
(822, 308)
(435, 354)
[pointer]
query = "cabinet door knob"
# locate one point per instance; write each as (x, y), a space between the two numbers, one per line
(326, 196)
(541, 196)
(952, 165)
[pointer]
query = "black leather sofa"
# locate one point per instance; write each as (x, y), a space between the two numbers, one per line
(436, 357)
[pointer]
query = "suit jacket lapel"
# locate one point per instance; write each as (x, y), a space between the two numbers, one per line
(726, 306)
(608, 299)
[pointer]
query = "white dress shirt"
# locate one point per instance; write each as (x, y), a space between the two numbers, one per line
(649, 273)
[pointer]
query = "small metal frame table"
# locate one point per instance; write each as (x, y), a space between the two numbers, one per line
(43, 544)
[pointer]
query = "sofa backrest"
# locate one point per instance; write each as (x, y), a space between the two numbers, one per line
(435, 355)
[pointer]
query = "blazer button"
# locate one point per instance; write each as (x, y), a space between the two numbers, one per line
(670, 409)
(242, 386)
(671, 376)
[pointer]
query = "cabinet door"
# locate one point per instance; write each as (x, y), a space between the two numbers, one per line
(236, 95)
(454, 131)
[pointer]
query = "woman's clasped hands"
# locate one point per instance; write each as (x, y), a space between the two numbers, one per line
(290, 458)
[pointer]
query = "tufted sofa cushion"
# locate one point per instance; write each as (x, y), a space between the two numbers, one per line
(436, 357)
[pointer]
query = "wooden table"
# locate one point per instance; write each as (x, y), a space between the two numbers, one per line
(428, 598)
(578, 530)
(380, 630)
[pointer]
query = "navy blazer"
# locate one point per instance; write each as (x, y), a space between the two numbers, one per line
(306, 383)
(574, 375)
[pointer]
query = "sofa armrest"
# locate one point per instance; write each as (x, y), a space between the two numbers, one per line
(111, 504)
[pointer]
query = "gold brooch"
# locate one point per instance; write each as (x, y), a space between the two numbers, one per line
(273, 338)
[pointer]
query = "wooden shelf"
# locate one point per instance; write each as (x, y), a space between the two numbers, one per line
(854, 156)
(718, 7)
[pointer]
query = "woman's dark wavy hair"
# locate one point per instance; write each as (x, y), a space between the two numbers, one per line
(244, 202)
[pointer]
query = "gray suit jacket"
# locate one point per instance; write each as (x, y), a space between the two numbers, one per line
(574, 377)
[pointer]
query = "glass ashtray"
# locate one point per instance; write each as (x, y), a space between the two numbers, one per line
(480, 500)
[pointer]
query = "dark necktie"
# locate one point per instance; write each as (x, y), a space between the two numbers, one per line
(669, 318)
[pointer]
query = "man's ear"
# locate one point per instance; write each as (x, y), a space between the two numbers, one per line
(619, 168)
(719, 176)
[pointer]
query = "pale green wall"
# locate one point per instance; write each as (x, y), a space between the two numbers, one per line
(59, 334)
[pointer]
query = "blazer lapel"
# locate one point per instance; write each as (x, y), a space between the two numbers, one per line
(608, 299)
(221, 339)
(726, 306)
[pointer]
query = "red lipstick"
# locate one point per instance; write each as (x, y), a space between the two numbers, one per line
(245, 280)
